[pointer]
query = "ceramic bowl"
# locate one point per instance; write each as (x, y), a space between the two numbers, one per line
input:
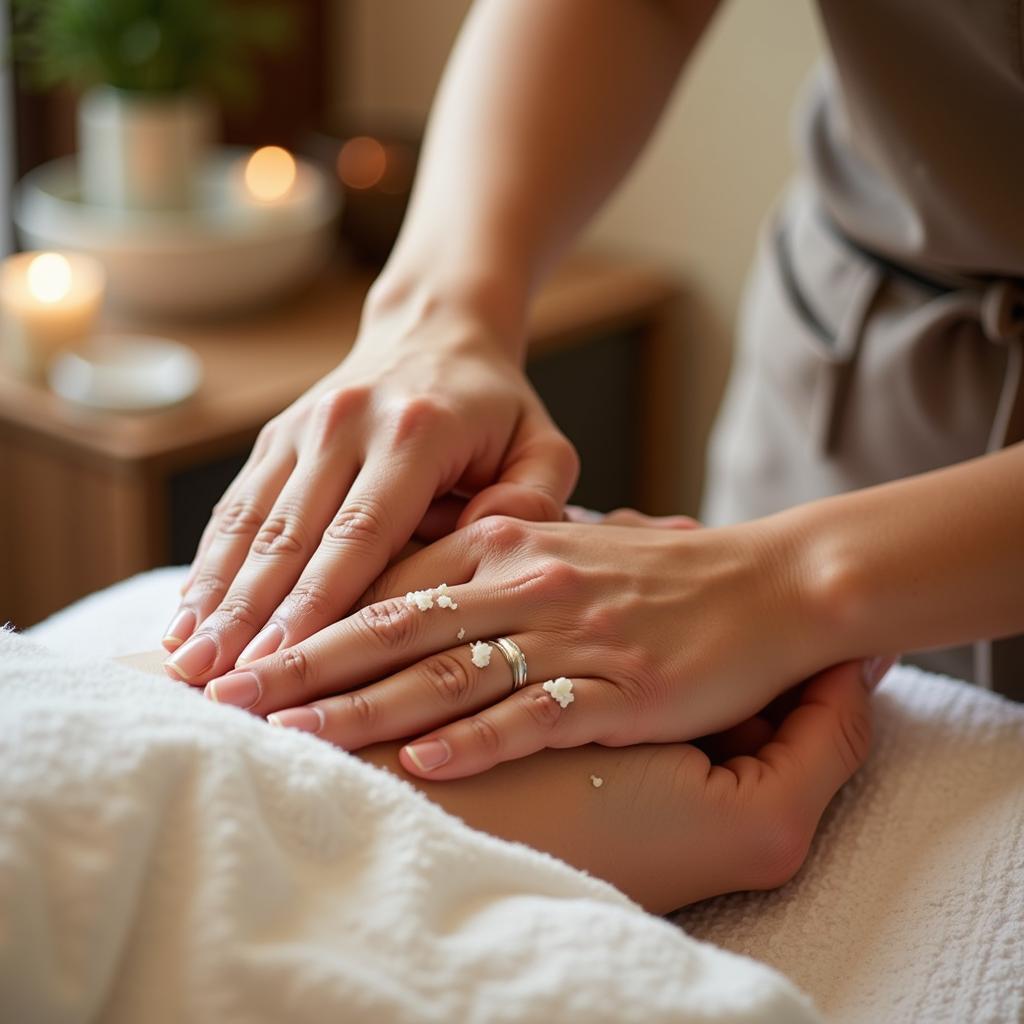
(226, 254)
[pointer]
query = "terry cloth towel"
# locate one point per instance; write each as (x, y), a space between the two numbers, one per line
(910, 907)
(164, 858)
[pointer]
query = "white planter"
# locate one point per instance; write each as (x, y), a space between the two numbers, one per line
(139, 151)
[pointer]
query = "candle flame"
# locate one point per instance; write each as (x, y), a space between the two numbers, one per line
(270, 173)
(49, 277)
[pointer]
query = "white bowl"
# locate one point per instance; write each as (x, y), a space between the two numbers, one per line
(227, 254)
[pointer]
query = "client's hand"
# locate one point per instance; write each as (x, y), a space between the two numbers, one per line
(670, 824)
(665, 635)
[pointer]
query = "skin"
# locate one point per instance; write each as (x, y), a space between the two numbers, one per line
(433, 401)
(673, 823)
(430, 424)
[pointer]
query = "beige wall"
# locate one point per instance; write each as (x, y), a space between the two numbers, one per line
(694, 201)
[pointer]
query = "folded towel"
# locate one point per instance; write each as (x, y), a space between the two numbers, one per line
(165, 858)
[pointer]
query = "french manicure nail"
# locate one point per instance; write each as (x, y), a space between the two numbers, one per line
(303, 719)
(429, 754)
(873, 670)
(180, 629)
(263, 643)
(242, 689)
(192, 658)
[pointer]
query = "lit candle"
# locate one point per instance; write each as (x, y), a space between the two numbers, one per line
(49, 302)
(270, 175)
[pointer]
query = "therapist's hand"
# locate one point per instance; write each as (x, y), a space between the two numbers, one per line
(666, 635)
(427, 404)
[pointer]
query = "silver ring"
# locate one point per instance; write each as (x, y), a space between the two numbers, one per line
(516, 660)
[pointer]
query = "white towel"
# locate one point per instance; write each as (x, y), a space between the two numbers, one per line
(910, 907)
(164, 858)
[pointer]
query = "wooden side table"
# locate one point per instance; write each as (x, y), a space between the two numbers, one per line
(89, 498)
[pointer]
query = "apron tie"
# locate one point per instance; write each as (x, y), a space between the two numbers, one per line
(1002, 322)
(996, 305)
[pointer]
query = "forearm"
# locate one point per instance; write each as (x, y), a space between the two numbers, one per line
(931, 561)
(543, 107)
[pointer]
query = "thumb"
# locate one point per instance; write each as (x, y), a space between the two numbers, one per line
(539, 474)
(826, 738)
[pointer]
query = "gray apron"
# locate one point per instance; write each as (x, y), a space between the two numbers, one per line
(852, 371)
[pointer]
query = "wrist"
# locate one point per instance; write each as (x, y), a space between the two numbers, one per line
(480, 306)
(824, 583)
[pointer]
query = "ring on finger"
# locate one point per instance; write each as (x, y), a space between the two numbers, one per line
(513, 654)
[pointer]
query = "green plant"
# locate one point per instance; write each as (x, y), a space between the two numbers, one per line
(151, 46)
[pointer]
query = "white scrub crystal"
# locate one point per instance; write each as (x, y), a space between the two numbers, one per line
(424, 599)
(596, 781)
(480, 653)
(461, 635)
(560, 690)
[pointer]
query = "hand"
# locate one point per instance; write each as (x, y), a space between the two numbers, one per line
(745, 819)
(671, 823)
(338, 483)
(665, 634)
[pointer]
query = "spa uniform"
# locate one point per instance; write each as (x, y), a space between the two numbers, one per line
(882, 332)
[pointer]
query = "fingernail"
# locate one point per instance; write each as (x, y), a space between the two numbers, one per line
(193, 658)
(180, 629)
(242, 689)
(263, 643)
(429, 754)
(303, 719)
(873, 671)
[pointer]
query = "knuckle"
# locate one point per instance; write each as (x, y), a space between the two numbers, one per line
(264, 439)
(298, 669)
(854, 739)
(363, 710)
(242, 516)
(337, 408)
(359, 524)
(449, 678)
(238, 610)
(500, 534)
(780, 850)
(566, 459)
(309, 600)
(486, 737)
(392, 623)
(543, 710)
(208, 584)
(282, 534)
(601, 621)
(419, 415)
(555, 578)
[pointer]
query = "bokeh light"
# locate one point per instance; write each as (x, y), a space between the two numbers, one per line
(49, 277)
(270, 174)
(362, 162)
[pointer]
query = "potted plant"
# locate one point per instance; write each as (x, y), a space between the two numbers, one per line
(148, 71)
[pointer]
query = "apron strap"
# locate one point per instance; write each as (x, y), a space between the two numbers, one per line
(996, 304)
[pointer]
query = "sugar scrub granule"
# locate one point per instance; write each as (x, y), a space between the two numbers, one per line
(480, 653)
(444, 601)
(422, 599)
(560, 690)
(596, 781)
(461, 635)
